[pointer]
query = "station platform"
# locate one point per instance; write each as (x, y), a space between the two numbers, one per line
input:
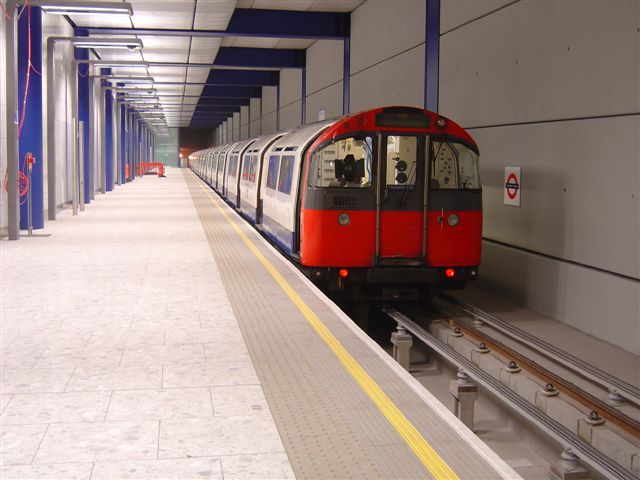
(158, 336)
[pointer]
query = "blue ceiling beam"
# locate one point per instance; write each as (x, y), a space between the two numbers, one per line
(216, 108)
(259, 78)
(231, 91)
(257, 23)
(260, 57)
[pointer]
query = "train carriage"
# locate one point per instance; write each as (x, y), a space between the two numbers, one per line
(251, 175)
(234, 161)
(384, 204)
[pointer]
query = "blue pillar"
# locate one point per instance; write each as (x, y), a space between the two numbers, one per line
(346, 75)
(31, 133)
(83, 111)
(123, 143)
(108, 139)
(278, 108)
(432, 55)
(303, 109)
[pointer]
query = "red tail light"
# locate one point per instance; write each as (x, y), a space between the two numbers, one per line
(450, 272)
(344, 273)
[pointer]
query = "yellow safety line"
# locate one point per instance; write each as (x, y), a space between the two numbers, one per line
(425, 453)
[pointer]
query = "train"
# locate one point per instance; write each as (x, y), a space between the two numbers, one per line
(384, 204)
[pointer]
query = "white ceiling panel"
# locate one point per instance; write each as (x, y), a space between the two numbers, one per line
(163, 13)
(300, 43)
(197, 75)
(165, 49)
(335, 5)
(213, 14)
(228, 41)
(204, 50)
(193, 90)
(251, 42)
(302, 5)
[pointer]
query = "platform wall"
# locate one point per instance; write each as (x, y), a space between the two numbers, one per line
(553, 88)
(3, 127)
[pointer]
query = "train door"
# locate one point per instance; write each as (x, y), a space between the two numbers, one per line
(401, 200)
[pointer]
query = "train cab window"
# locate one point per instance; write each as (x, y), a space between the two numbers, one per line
(453, 165)
(344, 163)
(272, 174)
(286, 173)
(402, 156)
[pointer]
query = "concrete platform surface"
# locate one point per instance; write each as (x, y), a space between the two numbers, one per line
(121, 356)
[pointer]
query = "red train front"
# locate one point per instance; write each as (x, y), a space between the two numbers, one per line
(391, 205)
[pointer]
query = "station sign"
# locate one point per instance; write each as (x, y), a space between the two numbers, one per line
(512, 186)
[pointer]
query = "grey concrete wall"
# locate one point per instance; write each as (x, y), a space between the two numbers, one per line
(244, 123)
(324, 79)
(290, 98)
(254, 120)
(269, 96)
(387, 54)
(538, 86)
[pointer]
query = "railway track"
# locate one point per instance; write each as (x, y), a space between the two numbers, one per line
(600, 409)
(592, 374)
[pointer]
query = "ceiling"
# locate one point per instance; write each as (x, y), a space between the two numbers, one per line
(183, 93)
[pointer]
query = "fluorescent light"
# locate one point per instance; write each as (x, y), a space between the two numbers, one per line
(131, 43)
(87, 8)
(120, 63)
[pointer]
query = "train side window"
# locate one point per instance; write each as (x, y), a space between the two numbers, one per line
(453, 165)
(245, 167)
(233, 164)
(253, 168)
(286, 173)
(344, 163)
(272, 174)
(402, 156)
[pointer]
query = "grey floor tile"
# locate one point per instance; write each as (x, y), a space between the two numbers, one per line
(160, 404)
(164, 355)
(56, 408)
(115, 378)
(18, 443)
(226, 351)
(173, 469)
(205, 375)
(272, 466)
(102, 441)
(34, 380)
(80, 356)
(66, 471)
(238, 400)
(219, 436)
(4, 401)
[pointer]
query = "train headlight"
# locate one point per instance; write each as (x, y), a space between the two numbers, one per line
(344, 219)
(453, 220)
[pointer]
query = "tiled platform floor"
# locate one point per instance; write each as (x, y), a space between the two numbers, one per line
(121, 356)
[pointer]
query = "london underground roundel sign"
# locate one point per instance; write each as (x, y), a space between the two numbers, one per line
(512, 186)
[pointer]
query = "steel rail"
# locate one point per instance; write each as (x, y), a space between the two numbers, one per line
(578, 366)
(585, 452)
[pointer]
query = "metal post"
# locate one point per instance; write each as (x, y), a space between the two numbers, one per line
(51, 131)
(29, 213)
(74, 167)
(11, 84)
(103, 146)
(116, 139)
(92, 138)
(81, 162)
